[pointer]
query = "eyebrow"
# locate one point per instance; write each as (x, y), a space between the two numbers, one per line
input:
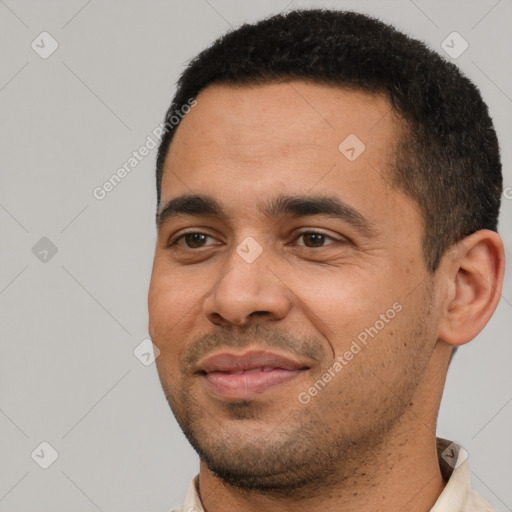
(189, 204)
(278, 207)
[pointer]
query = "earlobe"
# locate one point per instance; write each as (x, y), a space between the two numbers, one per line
(473, 273)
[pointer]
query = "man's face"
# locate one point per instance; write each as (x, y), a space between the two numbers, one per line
(290, 337)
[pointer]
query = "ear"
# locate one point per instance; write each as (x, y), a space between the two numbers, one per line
(471, 275)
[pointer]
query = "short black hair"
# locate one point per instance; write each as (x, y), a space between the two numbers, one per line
(448, 157)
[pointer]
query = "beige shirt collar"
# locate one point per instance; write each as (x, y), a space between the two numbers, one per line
(457, 496)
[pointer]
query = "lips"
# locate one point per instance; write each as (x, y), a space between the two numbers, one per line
(244, 376)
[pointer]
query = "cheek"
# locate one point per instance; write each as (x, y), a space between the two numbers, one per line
(342, 302)
(170, 306)
(174, 290)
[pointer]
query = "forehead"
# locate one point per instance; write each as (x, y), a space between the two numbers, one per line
(273, 120)
(240, 144)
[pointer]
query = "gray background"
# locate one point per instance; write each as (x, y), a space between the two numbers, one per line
(69, 324)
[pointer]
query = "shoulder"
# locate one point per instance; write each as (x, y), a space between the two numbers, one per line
(475, 503)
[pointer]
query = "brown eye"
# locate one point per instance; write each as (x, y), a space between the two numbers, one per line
(192, 240)
(195, 239)
(313, 239)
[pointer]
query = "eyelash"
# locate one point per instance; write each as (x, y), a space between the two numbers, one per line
(302, 233)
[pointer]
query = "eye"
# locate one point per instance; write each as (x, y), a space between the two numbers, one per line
(197, 240)
(313, 239)
(193, 240)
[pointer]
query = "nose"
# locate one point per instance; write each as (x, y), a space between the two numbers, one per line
(247, 290)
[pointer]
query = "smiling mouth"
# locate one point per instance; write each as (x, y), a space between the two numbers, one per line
(248, 375)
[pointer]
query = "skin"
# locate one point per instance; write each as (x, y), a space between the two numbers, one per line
(366, 441)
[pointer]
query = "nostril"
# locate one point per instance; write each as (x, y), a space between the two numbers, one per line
(260, 313)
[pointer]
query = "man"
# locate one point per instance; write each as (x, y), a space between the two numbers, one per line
(327, 216)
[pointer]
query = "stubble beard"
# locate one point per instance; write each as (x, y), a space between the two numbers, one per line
(303, 453)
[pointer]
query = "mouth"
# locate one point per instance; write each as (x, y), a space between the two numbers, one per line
(248, 375)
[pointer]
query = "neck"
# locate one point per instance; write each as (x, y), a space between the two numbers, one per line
(401, 474)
